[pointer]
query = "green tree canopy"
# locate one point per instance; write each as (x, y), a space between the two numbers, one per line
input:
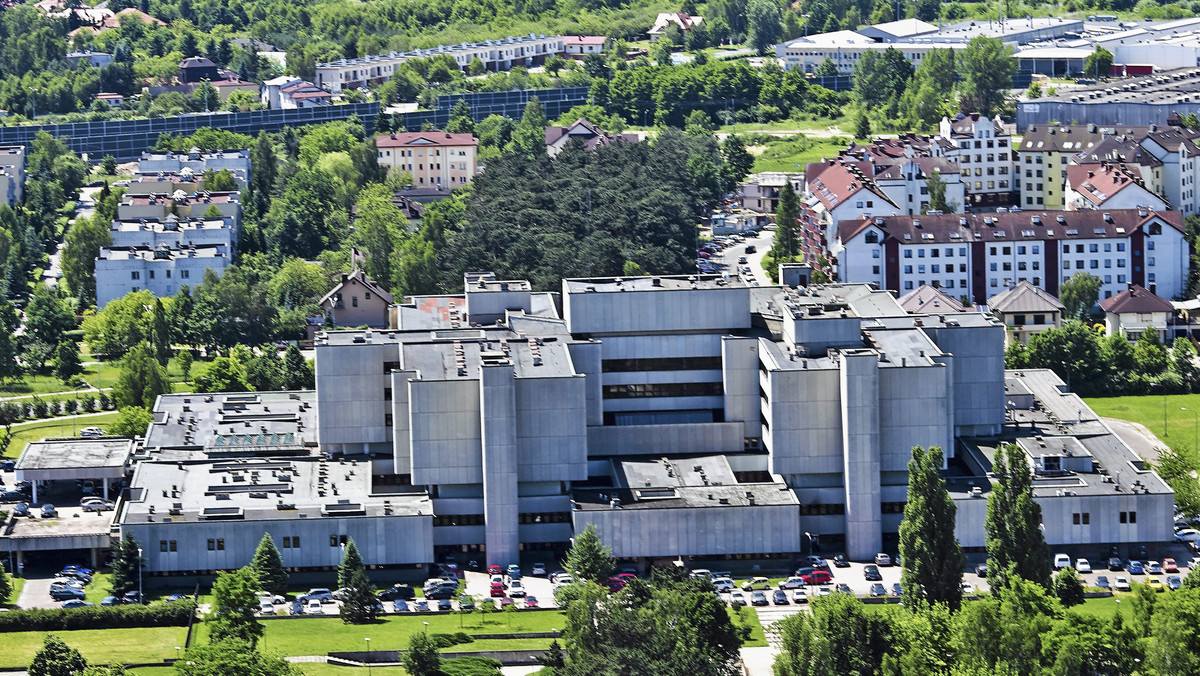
(125, 566)
(933, 559)
(1079, 294)
(268, 566)
(47, 316)
(141, 379)
(56, 658)
(235, 600)
(1015, 542)
(1098, 64)
(132, 421)
(67, 366)
(589, 558)
(987, 67)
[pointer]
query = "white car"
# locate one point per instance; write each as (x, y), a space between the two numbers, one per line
(968, 589)
(798, 596)
(1061, 561)
(91, 432)
(1190, 535)
(1082, 566)
(313, 607)
(793, 583)
(96, 505)
(538, 570)
(1121, 584)
(265, 608)
(723, 584)
(737, 598)
(563, 580)
(824, 591)
(516, 589)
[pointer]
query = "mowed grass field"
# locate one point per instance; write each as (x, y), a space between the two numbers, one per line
(23, 433)
(785, 153)
(1181, 425)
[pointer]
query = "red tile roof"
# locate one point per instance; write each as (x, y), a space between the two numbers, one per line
(835, 181)
(583, 39)
(424, 138)
(1099, 182)
(1136, 299)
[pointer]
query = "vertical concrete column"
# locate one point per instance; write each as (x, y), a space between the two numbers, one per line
(498, 413)
(860, 446)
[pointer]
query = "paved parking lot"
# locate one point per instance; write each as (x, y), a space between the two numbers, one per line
(726, 260)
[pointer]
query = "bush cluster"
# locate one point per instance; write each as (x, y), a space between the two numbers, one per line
(173, 614)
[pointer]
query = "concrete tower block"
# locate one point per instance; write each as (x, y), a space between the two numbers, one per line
(498, 415)
(860, 443)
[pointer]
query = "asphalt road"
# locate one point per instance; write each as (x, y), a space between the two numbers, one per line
(726, 261)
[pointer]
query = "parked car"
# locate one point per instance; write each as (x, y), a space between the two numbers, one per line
(840, 561)
(506, 602)
(75, 574)
(1082, 566)
(1061, 561)
(8, 465)
(21, 509)
(798, 596)
(563, 580)
(531, 602)
(396, 591)
(1156, 584)
(968, 589)
(1102, 582)
(64, 592)
(265, 608)
(1174, 581)
(779, 597)
(871, 572)
(882, 559)
(444, 605)
(516, 589)
(737, 598)
(843, 588)
(1189, 535)
(1169, 566)
(1121, 584)
(133, 598)
(793, 583)
(981, 570)
(751, 249)
(313, 607)
(1115, 563)
(96, 505)
(421, 606)
(495, 569)
(400, 606)
(13, 496)
(321, 594)
(48, 511)
(817, 577)
(77, 603)
(897, 590)
(497, 590)
(538, 570)
(758, 599)
(1154, 568)
(1135, 568)
(824, 591)
(296, 608)
(91, 432)
(724, 584)
(514, 571)
(756, 583)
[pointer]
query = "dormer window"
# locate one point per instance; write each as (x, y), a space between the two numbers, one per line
(872, 237)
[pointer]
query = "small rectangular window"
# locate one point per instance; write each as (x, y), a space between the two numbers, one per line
(173, 547)
(162, 544)
(220, 544)
(212, 544)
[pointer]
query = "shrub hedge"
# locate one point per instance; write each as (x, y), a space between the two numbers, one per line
(99, 617)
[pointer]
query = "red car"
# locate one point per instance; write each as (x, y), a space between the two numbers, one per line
(614, 584)
(817, 577)
(506, 602)
(1169, 566)
(531, 602)
(495, 569)
(497, 590)
(626, 577)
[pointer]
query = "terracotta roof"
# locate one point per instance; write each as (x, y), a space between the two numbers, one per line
(361, 278)
(424, 138)
(835, 181)
(1024, 298)
(1098, 183)
(1136, 299)
(926, 299)
(1011, 226)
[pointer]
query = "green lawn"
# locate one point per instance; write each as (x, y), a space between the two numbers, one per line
(758, 637)
(1148, 410)
(320, 635)
(100, 646)
(784, 154)
(22, 434)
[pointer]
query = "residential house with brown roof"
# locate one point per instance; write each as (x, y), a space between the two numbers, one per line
(838, 190)
(579, 46)
(434, 159)
(1045, 152)
(592, 137)
(1025, 310)
(981, 254)
(357, 300)
(1109, 185)
(1134, 311)
(926, 299)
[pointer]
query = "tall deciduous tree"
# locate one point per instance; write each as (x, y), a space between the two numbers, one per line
(379, 231)
(268, 566)
(1150, 355)
(160, 333)
(422, 658)
(141, 379)
(933, 559)
(1015, 542)
(67, 367)
(987, 67)
(937, 194)
(1079, 294)
(529, 137)
(235, 601)
(765, 23)
(84, 239)
(589, 558)
(47, 316)
(1098, 64)
(132, 421)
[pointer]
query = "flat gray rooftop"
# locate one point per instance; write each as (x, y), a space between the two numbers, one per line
(662, 282)
(190, 426)
(262, 489)
(1172, 86)
(904, 347)
(662, 483)
(447, 360)
(101, 457)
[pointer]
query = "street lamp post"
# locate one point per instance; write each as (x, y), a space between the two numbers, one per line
(1196, 415)
(139, 564)
(369, 655)
(176, 653)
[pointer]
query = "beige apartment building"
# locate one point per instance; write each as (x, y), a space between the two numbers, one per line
(434, 159)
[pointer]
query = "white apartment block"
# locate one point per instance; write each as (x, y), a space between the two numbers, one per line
(496, 55)
(195, 162)
(978, 255)
(161, 270)
(175, 233)
(1109, 186)
(985, 158)
(159, 207)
